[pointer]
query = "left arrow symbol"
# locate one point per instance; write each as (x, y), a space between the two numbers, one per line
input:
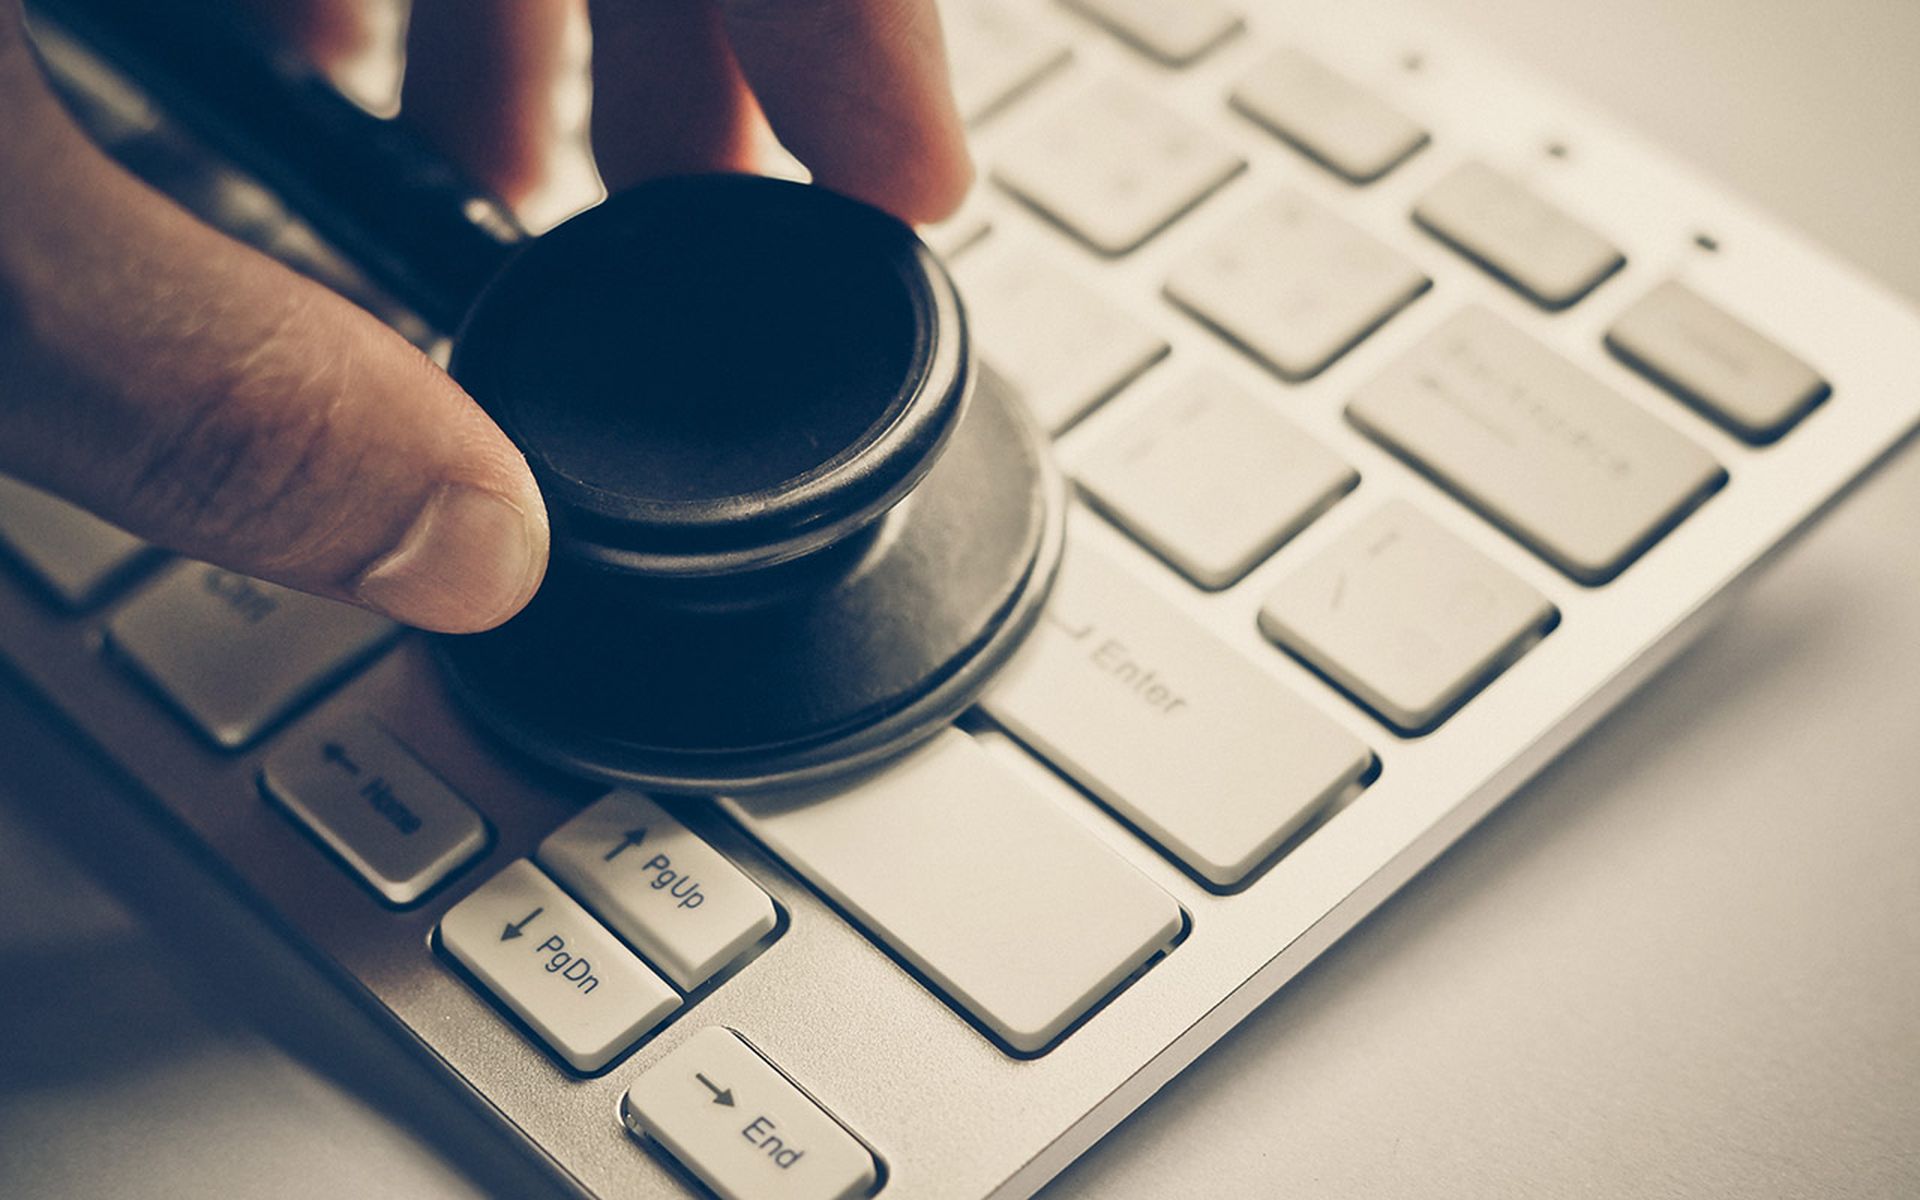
(517, 928)
(335, 753)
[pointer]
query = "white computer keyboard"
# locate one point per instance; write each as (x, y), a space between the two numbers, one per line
(1418, 417)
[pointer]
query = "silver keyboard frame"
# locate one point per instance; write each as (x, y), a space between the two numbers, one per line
(952, 1115)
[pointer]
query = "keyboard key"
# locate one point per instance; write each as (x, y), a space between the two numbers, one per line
(1206, 754)
(582, 993)
(734, 1121)
(1564, 464)
(1175, 34)
(1211, 479)
(1546, 255)
(673, 898)
(1060, 345)
(994, 54)
(1004, 902)
(370, 801)
(70, 552)
(1326, 116)
(1406, 617)
(1716, 362)
(1114, 166)
(236, 655)
(1294, 285)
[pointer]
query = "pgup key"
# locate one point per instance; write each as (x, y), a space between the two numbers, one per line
(683, 888)
(674, 898)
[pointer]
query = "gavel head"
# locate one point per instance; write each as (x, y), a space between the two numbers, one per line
(795, 530)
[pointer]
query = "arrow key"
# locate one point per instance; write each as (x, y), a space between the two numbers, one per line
(674, 898)
(730, 1117)
(555, 967)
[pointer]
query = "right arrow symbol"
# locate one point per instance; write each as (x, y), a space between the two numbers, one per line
(720, 1095)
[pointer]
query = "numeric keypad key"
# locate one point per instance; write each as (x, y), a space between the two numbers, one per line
(995, 54)
(1405, 616)
(1562, 462)
(1294, 284)
(1114, 166)
(1211, 478)
(1059, 344)
(1716, 362)
(1326, 116)
(1520, 237)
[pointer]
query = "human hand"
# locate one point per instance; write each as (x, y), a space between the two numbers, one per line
(201, 395)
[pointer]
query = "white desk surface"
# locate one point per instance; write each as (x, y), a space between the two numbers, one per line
(1685, 961)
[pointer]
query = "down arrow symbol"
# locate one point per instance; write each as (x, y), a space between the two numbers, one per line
(516, 929)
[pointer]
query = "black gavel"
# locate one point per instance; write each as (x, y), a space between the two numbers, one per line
(795, 528)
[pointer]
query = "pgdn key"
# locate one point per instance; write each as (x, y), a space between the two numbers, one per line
(557, 968)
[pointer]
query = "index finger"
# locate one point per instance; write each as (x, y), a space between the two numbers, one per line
(858, 91)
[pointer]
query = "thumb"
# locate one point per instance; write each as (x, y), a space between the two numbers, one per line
(201, 395)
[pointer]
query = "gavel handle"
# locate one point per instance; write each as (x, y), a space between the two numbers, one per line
(369, 185)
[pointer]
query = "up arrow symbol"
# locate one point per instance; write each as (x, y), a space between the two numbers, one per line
(515, 929)
(632, 837)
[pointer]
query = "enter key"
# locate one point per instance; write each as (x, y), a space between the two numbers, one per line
(1208, 756)
(742, 1127)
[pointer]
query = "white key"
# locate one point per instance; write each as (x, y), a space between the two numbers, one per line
(1211, 479)
(235, 654)
(1326, 116)
(1564, 464)
(1294, 284)
(583, 993)
(674, 898)
(1114, 166)
(1011, 908)
(1716, 362)
(1059, 344)
(1206, 754)
(1177, 34)
(1405, 616)
(72, 553)
(370, 801)
(1521, 239)
(994, 54)
(742, 1128)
